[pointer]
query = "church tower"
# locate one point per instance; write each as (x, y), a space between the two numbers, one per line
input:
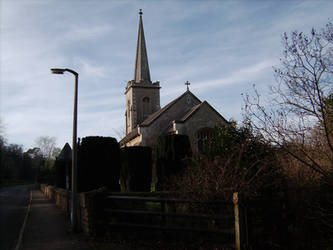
(142, 95)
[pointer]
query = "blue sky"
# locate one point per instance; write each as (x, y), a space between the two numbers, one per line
(221, 47)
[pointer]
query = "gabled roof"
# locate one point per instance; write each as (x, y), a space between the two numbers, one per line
(131, 135)
(158, 113)
(196, 108)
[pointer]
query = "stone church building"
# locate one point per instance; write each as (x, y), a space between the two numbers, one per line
(146, 120)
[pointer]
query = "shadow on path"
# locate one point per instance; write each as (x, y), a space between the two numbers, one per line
(47, 227)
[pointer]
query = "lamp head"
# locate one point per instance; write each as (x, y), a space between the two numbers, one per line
(58, 71)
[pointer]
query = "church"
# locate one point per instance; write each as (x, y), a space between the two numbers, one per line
(146, 120)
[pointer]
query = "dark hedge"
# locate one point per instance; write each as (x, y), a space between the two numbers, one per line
(98, 163)
(63, 163)
(136, 168)
(171, 150)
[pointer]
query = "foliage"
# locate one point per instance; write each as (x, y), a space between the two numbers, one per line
(295, 174)
(298, 119)
(23, 166)
(30, 165)
(298, 116)
(173, 147)
(170, 153)
(15, 164)
(12, 159)
(238, 162)
(136, 168)
(63, 167)
(98, 163)
(224, 139)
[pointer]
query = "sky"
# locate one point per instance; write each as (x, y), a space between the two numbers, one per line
(221, 47)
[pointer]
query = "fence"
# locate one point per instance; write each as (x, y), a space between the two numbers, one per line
(218, 220)
(287, 221)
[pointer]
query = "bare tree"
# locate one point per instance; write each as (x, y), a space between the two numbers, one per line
(56, 152)
(47, 146)
(298, 116)
(2, 132)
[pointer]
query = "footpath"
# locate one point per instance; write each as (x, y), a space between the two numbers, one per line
(46, 228)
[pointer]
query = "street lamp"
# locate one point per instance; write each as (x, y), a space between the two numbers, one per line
(74, 146)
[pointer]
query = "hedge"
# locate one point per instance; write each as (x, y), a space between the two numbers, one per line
(136, 168)
(170, 152)
(98, 163)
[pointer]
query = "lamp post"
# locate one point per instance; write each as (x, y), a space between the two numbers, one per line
(74, 146)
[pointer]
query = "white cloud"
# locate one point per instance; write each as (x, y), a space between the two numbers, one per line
(85, 32)
(90, 69)
(220, 47)
(243, 75)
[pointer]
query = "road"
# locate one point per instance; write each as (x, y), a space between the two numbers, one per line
(13, 207)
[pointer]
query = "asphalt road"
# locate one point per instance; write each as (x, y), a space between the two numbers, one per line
(13, 207)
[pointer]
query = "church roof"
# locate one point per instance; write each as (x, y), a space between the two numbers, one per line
(160, 112)
(189, 114)
(141, 70)
(196, 108)
(131, 135)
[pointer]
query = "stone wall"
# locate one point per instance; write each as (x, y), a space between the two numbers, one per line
(88, 206)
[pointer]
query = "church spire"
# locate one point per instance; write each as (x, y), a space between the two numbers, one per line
(141, 71)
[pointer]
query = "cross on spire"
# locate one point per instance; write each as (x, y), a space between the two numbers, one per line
(140, 12)
(187, 83)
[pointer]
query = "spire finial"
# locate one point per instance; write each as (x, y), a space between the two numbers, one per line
(140, 12)
(187, 83)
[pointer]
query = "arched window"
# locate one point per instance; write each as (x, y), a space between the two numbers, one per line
(146, 106)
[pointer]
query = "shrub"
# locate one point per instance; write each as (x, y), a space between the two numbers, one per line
(136, 168)
(98, 163)
(62, 164)
(170, 153)
(237, 161)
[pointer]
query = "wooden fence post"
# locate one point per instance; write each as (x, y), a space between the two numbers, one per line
(236, 212)
(163, 208)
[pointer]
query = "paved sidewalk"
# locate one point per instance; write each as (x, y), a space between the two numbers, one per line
(47, 228)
